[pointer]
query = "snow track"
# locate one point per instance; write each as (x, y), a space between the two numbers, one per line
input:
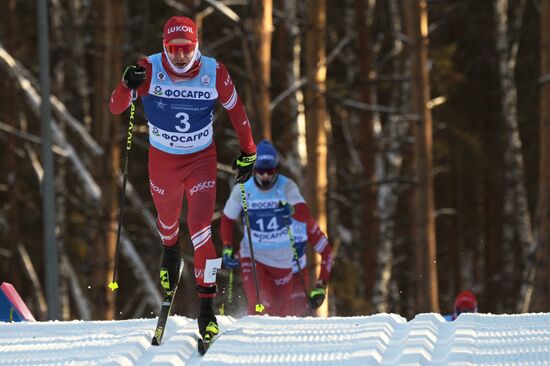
(382, 339)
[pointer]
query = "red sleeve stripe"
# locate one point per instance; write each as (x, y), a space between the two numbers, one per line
(232, 101)
(321, 244)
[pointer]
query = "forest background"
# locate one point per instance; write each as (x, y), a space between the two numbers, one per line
(417, 130)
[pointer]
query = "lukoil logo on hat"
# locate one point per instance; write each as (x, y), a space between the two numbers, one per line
(180, 27)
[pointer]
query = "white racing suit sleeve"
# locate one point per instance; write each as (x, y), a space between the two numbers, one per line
(233, 206)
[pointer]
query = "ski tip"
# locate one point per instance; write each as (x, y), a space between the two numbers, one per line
(155, 341)
(113, 285)
(202, 347)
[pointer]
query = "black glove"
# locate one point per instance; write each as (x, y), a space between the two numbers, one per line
(317, 295)
(244, 164)
(285, 212)
(133, 76)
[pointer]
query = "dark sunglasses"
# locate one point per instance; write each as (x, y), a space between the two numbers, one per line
(175, 48)
(262, 171)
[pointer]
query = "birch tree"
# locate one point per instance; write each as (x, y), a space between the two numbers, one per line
(389, 167)
(516, 210)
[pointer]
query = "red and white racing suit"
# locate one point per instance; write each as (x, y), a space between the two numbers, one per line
(182, 153)
(280, 287)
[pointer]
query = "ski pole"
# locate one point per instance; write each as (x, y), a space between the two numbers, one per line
(230, 289)
(229, 293)
(114, 285)
(259, 306)
(297, 259)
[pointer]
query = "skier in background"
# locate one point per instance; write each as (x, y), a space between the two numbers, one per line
(274, 203)
(179, 88)
(465, 302)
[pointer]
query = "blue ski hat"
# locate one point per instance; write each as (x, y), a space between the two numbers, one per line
(266, 155)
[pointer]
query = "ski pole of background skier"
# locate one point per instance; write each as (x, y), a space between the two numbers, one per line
(259, 306)
(114, 285)
(296, 258)
(229, 293)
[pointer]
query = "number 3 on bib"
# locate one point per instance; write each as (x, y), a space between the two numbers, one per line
(183, 121)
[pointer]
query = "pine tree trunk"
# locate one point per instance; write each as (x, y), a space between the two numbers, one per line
(368, 223)
(262, 27)
(107, 133)
(316, 117)
(77, 15)
(423, 197)
(541, 294)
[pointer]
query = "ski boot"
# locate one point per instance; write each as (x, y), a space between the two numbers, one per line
(170, 268)
(208, 325)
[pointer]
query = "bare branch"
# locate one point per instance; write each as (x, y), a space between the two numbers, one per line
(82, 305)
(30, 137)
(21, 73)
(35, 282)
(34, 99)
(225, 11)
(178, 6)
(140, 270)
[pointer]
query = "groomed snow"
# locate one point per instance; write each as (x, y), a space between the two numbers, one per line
(382, 339)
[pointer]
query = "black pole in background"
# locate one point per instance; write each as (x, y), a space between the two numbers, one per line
(51, 261)
(259, 306)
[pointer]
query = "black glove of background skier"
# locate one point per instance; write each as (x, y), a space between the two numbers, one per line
(317, 295)
(229, 259)
(133, 76)
(244, 164)
(285, 212)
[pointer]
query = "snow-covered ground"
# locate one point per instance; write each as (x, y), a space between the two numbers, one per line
(383, 339)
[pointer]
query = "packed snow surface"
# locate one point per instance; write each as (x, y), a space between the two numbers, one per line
(382, 339)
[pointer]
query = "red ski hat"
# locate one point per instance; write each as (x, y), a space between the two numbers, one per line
(180, 27)
(466, 301)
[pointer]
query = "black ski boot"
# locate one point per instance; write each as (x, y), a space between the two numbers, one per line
(208, 325)
(170, 268)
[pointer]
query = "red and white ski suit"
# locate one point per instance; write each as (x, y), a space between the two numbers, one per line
(173, 175)
(281, 289)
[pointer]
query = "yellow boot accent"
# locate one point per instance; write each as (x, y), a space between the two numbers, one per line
(211, 331)
(164, 279)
